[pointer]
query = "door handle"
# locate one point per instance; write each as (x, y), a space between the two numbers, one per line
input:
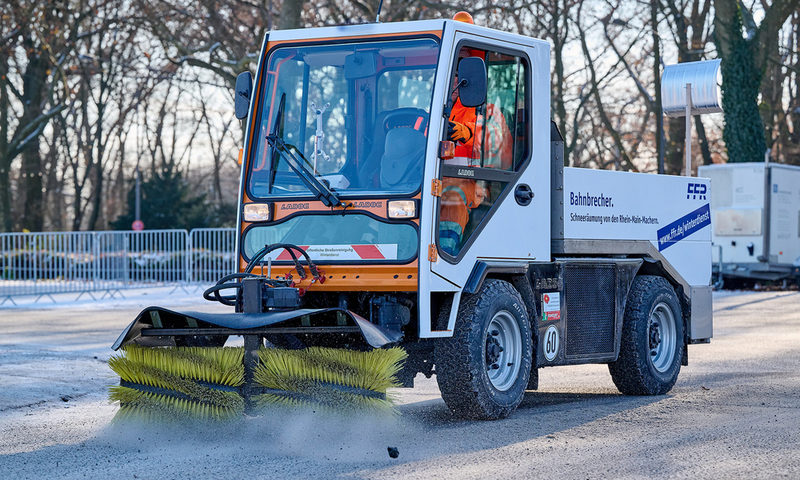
(523, 194)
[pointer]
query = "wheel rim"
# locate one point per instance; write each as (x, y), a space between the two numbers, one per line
(662, 337)
(503, 350)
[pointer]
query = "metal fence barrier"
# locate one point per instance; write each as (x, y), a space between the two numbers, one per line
(213, 254)
(46, 263)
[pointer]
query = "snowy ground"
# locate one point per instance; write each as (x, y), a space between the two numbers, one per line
(135, 297)
(734, 412)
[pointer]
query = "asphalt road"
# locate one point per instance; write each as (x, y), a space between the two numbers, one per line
(735, 412)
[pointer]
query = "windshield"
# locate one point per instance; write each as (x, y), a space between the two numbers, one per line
(336, 238)
(357, 112)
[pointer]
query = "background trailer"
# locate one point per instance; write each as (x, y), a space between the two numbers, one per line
(756, 217)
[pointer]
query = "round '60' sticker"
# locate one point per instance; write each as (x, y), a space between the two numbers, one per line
(550, 343)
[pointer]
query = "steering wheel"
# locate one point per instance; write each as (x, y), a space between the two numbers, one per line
(415, 118)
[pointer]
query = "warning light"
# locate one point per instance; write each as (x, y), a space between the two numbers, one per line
(463, 16)
(447, 149)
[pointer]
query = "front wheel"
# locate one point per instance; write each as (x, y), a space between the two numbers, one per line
(483, 369)
(652, 339)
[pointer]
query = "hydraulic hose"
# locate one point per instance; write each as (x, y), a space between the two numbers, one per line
(234, 280)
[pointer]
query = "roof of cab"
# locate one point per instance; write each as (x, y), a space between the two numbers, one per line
(389, 28)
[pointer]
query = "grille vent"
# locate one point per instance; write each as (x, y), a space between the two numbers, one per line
(589, 292)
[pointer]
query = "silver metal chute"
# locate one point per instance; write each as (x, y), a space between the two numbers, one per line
(704, 78)
(691, 88)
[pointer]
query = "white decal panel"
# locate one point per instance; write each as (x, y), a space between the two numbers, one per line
(382, 251)
(551, 306)
(671, 212)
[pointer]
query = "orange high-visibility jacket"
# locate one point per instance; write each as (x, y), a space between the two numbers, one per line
(460, 195)
(498, 153)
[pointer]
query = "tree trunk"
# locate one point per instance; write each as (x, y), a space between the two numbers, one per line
(743, 131)
(674, 159)
(702, 139)
(53, 191)
(33, 83)
(558, 55)
(657, 80)
(98, 152)
(291, 11)
(5, 160)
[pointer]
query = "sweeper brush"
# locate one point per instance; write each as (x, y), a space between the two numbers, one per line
(174, 365)
(329, 378)
(208, 383)
(179, 382)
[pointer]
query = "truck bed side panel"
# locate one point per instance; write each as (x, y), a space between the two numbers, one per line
(671, 212)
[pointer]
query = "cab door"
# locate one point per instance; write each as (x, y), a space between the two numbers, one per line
(494, 201)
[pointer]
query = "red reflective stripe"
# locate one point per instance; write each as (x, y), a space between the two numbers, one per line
(419, 123)
(368, 252)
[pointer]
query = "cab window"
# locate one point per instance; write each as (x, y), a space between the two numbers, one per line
(356, 113)
(492, 144)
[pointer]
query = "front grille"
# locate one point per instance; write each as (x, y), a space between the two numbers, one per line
(589, 291)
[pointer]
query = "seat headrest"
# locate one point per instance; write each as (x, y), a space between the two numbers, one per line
(403, 151)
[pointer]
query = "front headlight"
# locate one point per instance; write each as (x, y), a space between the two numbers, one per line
(403, 209)
(257, 212)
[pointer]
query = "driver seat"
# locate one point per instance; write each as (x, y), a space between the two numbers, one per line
(368, 171)
(402, 158)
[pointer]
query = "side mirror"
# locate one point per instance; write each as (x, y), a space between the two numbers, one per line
(241, 100)
(472, 81)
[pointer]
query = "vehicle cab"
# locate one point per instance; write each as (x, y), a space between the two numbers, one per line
(364, 183)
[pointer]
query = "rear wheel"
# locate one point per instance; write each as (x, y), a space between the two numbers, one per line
(483, 369)
(652, 339)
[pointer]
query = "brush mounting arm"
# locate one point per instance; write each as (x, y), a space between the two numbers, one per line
(156, 326)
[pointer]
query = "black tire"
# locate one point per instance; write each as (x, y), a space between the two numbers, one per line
(461, 360)
(640, 368)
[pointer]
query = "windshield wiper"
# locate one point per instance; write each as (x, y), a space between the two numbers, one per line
(277, 129)
(275, 139)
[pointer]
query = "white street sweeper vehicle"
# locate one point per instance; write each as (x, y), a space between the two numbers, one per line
(402, 185)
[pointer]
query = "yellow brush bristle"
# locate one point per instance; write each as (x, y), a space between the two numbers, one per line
(180, 370)
(310, 376)
(372, 370)
(217, 365)
(151, 406)
(199, 382)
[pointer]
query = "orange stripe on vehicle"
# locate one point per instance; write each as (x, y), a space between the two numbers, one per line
(354, 278)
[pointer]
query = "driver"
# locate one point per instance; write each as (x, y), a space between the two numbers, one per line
(471, 131)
